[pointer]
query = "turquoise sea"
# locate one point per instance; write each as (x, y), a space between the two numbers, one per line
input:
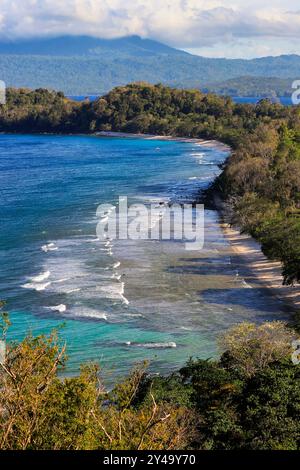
(132, 300)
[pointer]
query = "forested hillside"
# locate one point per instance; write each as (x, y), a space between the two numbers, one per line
(261, 179)
(59, 63)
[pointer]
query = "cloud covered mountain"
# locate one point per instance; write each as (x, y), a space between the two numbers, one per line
(85, 65)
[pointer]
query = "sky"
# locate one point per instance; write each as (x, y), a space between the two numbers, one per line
(212, 28)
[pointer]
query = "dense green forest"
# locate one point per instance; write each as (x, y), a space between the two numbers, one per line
(249, 399)
(260, 180)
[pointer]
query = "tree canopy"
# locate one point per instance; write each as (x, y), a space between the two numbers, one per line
(206, 405)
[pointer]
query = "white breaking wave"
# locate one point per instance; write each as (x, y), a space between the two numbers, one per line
(167, 345)
(133, 315)
(49, 247)
(82, 312)
(58, 308)
(197, 154)
(36, 286)
(116, 276)
(36, 282)
(69, 272)
(41, 277)
(124, 300)
(64, 279)
(116, 265)
(113, 291)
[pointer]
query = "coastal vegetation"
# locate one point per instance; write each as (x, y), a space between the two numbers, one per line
(249, 399)
(260, 180)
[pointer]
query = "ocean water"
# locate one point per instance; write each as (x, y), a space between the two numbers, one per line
(285, 100)
(126, 301)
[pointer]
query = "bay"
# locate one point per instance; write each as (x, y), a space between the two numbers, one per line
(132, 300)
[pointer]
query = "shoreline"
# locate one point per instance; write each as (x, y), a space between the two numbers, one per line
(210, 143)
(192, 140)
(264, 273)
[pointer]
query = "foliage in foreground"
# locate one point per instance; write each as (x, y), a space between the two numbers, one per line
(249, 399)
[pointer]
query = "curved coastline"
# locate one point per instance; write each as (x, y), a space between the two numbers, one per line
(204, 142)
(264, 272)
(211, 284)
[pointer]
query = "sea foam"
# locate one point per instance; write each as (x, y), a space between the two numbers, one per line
(49, 247)
(36, 286)
(41, 277)
(85, 312)
(58, 308)
(166, 345)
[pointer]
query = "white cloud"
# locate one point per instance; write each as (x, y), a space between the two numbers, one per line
(182, 23)
(248, 48)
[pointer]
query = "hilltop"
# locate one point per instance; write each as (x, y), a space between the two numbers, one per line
(80, 65)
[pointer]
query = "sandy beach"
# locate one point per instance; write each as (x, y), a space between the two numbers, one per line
(202, 142)
(262, 271)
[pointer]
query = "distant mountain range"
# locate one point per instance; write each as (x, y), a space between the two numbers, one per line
(88, 46)
(80, 65)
